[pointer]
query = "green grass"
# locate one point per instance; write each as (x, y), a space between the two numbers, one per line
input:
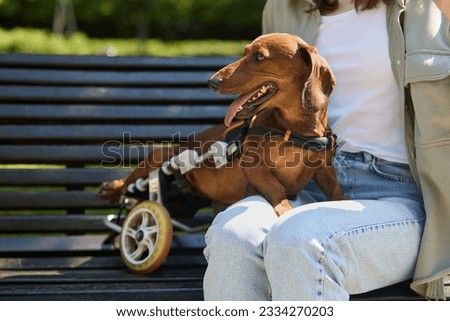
(29, 166)
(23, 40)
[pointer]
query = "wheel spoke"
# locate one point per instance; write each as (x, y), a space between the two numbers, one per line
(130, 232)
(151, 230)
(136, 255)
(145, 220)
(148, 241)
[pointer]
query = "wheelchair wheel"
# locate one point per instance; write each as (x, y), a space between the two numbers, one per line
(146, 237)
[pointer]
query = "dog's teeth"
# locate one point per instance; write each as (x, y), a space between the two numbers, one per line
(263, 91)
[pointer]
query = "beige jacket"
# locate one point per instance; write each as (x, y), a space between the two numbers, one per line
(425, 72)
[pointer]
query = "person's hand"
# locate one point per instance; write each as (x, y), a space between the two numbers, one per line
(444, 5)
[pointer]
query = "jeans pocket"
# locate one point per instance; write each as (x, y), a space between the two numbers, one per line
(393, 171)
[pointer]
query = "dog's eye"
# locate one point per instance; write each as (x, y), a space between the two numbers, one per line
(259, 57)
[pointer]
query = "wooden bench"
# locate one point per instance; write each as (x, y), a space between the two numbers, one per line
(68, 123)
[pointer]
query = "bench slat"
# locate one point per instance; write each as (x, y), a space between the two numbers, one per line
(59, 177)
(63, 244)
(115, 63)
(72, 154)
(20, 93)
(112, 133)
(145, 291)
(113, 113)
(110, 78)
(115, 274)
(27, 200)
(189, 261)
(52, 223)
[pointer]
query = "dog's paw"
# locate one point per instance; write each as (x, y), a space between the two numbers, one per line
(112, 190)
(282, 207)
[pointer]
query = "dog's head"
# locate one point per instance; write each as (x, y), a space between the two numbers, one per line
(276, 71)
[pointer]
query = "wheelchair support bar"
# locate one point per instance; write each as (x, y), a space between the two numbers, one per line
(185, 162)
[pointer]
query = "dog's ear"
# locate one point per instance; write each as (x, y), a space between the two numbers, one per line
(320, 82)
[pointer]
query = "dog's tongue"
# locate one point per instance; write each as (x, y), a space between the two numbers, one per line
(238, 102)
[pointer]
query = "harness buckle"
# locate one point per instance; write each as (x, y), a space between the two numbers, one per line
(234, 149)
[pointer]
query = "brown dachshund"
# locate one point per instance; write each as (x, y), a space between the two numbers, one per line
(284, 85)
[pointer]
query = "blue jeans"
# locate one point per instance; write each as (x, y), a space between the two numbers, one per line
(319, 250)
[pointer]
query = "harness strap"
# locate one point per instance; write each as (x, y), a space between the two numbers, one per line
(236, 137)
(233, 130)
(309, 142)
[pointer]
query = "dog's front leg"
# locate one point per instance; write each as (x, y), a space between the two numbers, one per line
(258, 168)
(270, 188)
(280, 207)
(265, 183)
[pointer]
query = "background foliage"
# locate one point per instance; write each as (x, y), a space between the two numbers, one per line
(164, 19)
(22, 40)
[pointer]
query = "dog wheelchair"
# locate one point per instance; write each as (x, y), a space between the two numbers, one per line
(158, 204)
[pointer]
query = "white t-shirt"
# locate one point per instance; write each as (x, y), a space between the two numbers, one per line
(364, 108)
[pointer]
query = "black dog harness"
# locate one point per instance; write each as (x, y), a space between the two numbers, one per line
(308, 142)
(235, 138)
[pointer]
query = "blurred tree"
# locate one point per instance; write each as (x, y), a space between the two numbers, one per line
(166, 19)
(64, 20)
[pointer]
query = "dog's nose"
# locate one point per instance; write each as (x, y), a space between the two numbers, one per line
(215, 83)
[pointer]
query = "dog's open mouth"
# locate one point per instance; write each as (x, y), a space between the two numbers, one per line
(247, 105)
